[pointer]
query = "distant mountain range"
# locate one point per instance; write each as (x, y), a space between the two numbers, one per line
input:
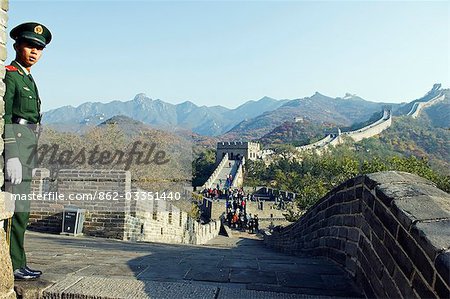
(250, 121)
(318, 109)
(426, 137)
(210, 121)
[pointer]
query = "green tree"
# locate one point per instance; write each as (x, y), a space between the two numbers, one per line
(203, 166)
(311, 189)
(254, 173)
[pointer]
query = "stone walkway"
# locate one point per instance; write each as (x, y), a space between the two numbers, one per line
(237, 267)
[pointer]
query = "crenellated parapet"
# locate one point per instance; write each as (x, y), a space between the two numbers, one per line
(213, 177)
(389, 230)
(238, 179)
(368, 131)
(373, 129)
(237, 150)
(318, 144)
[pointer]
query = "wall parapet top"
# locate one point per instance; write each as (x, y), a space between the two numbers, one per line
(385, 229)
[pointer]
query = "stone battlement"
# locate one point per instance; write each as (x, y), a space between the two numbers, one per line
(115, 209)
(236, 144)
(390, 230)
(368, 131)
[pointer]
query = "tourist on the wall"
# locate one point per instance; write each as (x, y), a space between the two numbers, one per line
(235, 204)
(256, 220)
(242, 222)
(235, 220)
(229, 218)
(251, 224)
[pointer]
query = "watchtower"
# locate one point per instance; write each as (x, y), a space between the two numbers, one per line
(238, 149)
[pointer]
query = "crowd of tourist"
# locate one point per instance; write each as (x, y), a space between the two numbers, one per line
(235, 205)
(243, 221)
(236, 215)
(236, 212)
(221, 190)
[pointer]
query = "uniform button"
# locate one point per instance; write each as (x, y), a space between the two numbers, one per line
(19, 134)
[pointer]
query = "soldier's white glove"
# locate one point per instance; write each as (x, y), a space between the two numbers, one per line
(14, 170)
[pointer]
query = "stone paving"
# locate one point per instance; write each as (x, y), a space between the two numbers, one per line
(237, 267)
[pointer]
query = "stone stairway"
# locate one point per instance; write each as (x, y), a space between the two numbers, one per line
(224, 173)
(237, 267)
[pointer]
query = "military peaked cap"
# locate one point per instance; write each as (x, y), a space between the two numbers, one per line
(31, 31)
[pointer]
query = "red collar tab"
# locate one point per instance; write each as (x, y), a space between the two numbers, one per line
(11, 68)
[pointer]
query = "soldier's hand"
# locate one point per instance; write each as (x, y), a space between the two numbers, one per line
(14, 170)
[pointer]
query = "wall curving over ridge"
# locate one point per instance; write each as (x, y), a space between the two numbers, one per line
(368, 131)
(389, 230)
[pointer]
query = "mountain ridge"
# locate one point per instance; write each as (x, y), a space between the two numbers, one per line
(318, 108)
(203, 120)
(250, 120)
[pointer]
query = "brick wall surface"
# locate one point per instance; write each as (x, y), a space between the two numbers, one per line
(122, 218)
(167, 223)
(389, 230)
(104, 201)
(3, 40)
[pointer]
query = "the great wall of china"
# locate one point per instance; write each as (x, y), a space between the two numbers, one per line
(373, 129)
(213, 177)
(236, 153)
(388, 230)
(357, 135)
(368, 131)
(418, 107)
(127, 215)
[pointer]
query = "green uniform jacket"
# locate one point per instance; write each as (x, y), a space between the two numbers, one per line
(21, 100)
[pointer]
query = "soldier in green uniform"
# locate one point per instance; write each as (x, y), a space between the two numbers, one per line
(22, 115)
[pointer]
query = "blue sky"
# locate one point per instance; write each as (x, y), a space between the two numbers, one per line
(225, 53)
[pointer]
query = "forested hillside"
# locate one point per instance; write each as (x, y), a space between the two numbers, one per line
(410, 145)
(297, 133)
(416, 137)
(311, 176)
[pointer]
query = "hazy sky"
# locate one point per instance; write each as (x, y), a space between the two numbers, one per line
(225, 53)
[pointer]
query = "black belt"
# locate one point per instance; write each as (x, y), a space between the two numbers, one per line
(22, 121)
(36, 128)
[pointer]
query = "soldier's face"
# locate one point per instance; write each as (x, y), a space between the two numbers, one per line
(28, 53)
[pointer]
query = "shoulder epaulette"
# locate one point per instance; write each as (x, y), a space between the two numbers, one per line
(11, 68)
